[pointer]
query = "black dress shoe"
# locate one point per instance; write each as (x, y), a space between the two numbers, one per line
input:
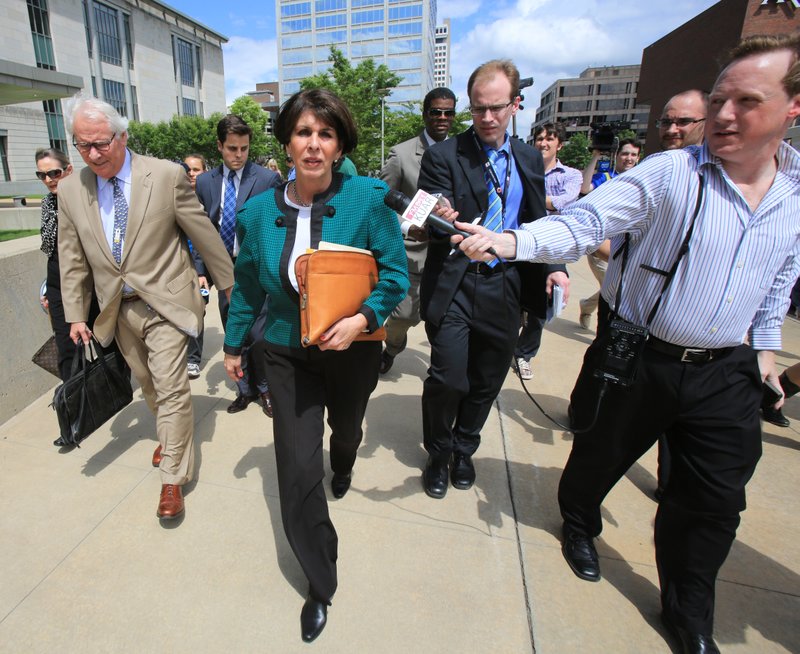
(434, 478)
(462, 472)
(266, 403)
(239, 404)
(690, 642)
(60, 442)
(387, 360)
(340, 484)
(313, 618)
(775, 416)
(581, 555)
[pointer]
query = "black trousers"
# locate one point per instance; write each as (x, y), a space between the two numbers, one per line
(302, 387)
(64, 345)
(471, 352)
(709, 415)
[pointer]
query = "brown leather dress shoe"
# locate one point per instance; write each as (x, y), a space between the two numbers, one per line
(170, 504)
(239, 404)
(157, 457)
(266, 404)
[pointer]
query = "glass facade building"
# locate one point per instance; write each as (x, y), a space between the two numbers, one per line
(399, 33)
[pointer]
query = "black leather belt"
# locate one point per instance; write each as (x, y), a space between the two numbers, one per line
(686, 354)
(130, 297)
(482, 268)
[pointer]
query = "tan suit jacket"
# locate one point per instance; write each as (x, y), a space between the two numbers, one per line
(155, 262)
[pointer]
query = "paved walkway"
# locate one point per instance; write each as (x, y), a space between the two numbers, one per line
(88, 568)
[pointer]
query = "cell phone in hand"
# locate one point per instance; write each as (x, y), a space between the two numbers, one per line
(771, 393)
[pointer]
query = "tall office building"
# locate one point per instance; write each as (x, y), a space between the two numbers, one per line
(441, 56)
(148, 60)
(399, 33)
(597, 95)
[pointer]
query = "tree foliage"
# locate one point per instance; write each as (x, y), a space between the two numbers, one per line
(176, 138)
(575, 152)
(251, 112)
(361, 88)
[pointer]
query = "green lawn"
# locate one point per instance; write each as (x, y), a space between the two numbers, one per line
(11, 234)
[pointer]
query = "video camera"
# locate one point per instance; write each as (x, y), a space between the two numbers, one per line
(603, 136)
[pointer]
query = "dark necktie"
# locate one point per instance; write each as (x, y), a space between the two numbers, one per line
(227, 228)
(120, 220)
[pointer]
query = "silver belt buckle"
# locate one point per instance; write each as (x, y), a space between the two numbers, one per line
(686, 357)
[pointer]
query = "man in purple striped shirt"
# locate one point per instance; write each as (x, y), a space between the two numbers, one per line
(697, 381)
(562, 185)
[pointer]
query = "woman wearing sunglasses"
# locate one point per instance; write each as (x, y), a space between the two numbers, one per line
(52, 166)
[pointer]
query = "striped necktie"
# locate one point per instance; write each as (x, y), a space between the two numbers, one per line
(227, 227)
(494, 212)
(120, 220)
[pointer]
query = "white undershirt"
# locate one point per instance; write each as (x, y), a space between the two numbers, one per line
(302, 236)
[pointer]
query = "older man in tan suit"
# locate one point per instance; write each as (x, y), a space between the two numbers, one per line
(123, 225)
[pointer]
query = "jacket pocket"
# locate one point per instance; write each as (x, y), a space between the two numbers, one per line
(181, 281)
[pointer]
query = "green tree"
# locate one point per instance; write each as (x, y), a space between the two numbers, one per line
(251, 112)
(176, 138)
(406, 122)
(575, 152)
(361, 88)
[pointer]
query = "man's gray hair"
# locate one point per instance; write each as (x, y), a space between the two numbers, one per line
(94, 109)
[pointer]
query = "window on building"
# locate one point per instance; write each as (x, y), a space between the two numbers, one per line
(410, 11)
(367, 33)
(4, 155)
(330, 5)
(615, 103)
(184, 51)
(298, 57)
(135, 101)
(189, 107)
(611, 89)
(114, 93)
(324, 38)
(298, 25)
(369, 16)
(405, 28)
(107, 28)
(40, 31)
(368, 49)
(298, 9)
(300, 41)
(330, 20)
(355, 4)
(55, 124)
(126, 25)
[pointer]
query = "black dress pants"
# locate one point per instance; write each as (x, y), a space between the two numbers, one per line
(709, 414)
(471, 352)
(303, 385)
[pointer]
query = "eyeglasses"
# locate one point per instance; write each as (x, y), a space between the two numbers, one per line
(100, 146)
(441, 113)
(493, 109)
(52, 174)
(680, 122)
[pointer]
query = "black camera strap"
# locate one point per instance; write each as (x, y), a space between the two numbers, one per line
(668, 274)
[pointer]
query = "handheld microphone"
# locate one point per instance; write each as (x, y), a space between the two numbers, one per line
(400, 202)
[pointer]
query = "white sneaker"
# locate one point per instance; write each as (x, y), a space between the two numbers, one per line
(585, 319)
(524, 369)
(193, 370)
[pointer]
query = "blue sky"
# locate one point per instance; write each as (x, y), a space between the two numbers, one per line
(547, 39)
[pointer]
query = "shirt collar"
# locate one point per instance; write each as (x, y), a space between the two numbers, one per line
(506, 147)
(226, 171)
(430, 141)
(124, 174)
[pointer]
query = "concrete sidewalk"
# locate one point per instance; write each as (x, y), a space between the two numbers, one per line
(88, 568)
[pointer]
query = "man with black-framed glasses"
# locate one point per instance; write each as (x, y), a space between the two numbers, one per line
(683, 120)
(471, 310)
(401, 172)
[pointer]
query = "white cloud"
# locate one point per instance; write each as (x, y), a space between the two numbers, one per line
(454, 9)
(248, 61)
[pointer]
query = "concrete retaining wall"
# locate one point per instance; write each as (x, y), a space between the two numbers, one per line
(21, 218)
(23, 324)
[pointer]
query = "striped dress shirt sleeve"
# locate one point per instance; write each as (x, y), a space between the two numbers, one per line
(741, 265)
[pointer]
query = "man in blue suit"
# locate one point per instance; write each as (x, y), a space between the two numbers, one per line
(222, 192)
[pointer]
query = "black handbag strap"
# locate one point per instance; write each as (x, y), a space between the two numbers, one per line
(668, 274)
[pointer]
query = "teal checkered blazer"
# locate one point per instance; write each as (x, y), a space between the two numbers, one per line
(351, 212)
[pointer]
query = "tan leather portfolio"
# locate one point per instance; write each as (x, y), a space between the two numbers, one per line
(333, 285)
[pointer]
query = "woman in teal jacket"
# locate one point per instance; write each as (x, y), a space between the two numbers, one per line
(274, 228)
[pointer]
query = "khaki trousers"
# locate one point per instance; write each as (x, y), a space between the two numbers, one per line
(156, 352)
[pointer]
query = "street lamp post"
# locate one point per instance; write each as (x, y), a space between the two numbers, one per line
(523, 84)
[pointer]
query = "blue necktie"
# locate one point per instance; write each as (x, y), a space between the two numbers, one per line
(227, 228)
(120, 220)
(494, 212)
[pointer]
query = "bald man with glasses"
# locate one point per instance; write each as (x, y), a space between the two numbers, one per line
(683, 120)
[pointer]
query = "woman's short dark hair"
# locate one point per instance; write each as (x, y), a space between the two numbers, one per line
(52, 153)
(327, 107)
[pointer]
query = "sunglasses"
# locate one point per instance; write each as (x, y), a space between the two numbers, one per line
(52, 174)
(443, 113)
